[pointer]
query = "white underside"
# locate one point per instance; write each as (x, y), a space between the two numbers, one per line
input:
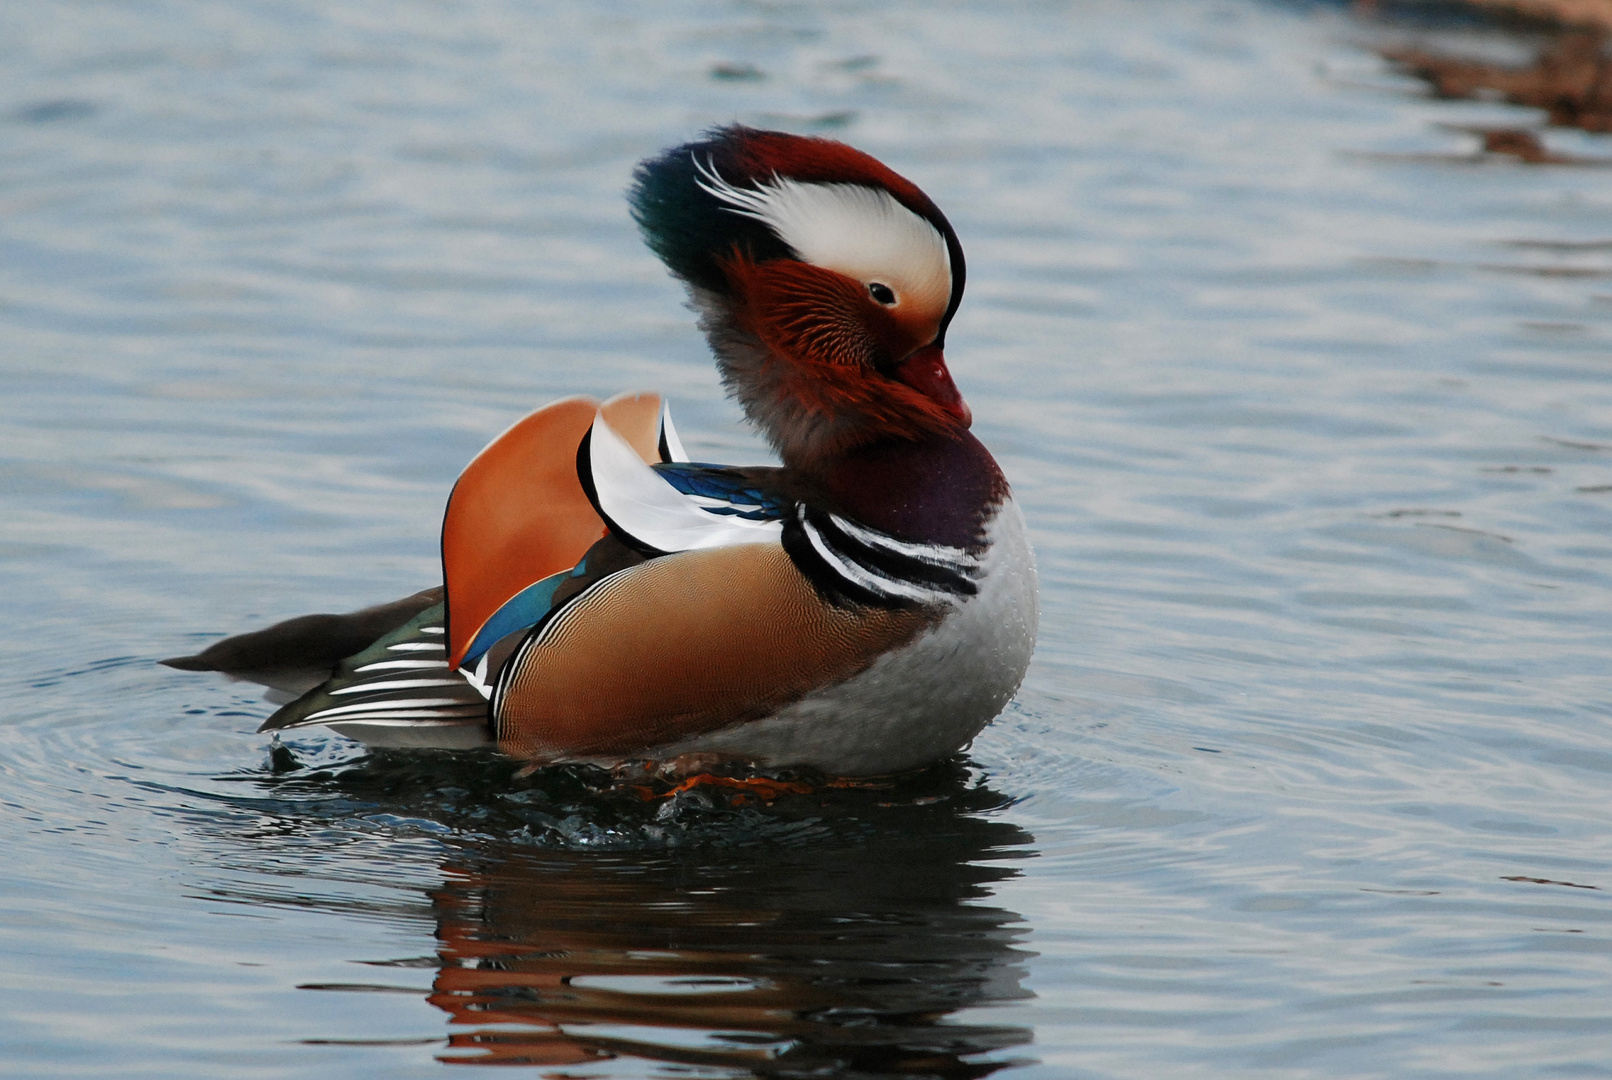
(920, 703)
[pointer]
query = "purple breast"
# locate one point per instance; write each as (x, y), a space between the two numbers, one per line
(941, 490)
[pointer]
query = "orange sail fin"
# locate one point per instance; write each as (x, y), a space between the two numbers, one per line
(518, 513)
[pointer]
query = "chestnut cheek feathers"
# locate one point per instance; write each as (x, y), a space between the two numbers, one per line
(925, 371)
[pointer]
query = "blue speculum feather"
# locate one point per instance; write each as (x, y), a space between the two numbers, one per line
(525, 609)
(719, 482)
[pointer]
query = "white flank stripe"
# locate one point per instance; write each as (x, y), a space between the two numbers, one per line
(380, 706)
(424, 718)
(416, 646)
(394, 684)
(409, 720)
(403, 665)
(430, 629)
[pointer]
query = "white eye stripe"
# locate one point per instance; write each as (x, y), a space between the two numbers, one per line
(860, 231)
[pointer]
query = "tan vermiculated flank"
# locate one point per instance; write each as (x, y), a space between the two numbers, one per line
(683, 645)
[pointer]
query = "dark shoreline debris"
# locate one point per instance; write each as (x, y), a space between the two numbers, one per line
(1592, 14)
(1583, 14)
(1571, 80)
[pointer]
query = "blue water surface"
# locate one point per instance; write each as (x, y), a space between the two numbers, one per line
(1309, 408)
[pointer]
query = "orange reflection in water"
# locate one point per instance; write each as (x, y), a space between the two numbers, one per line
(810, 958)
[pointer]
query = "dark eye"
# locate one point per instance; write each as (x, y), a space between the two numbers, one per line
(882, 293)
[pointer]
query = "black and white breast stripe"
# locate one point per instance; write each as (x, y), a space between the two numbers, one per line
(853, 564)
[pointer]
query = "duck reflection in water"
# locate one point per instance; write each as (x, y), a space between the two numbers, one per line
(834, 933)
(788, 966)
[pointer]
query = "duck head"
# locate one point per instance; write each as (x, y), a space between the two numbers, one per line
(824, 282)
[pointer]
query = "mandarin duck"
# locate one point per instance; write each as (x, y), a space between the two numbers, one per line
(865, 608)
